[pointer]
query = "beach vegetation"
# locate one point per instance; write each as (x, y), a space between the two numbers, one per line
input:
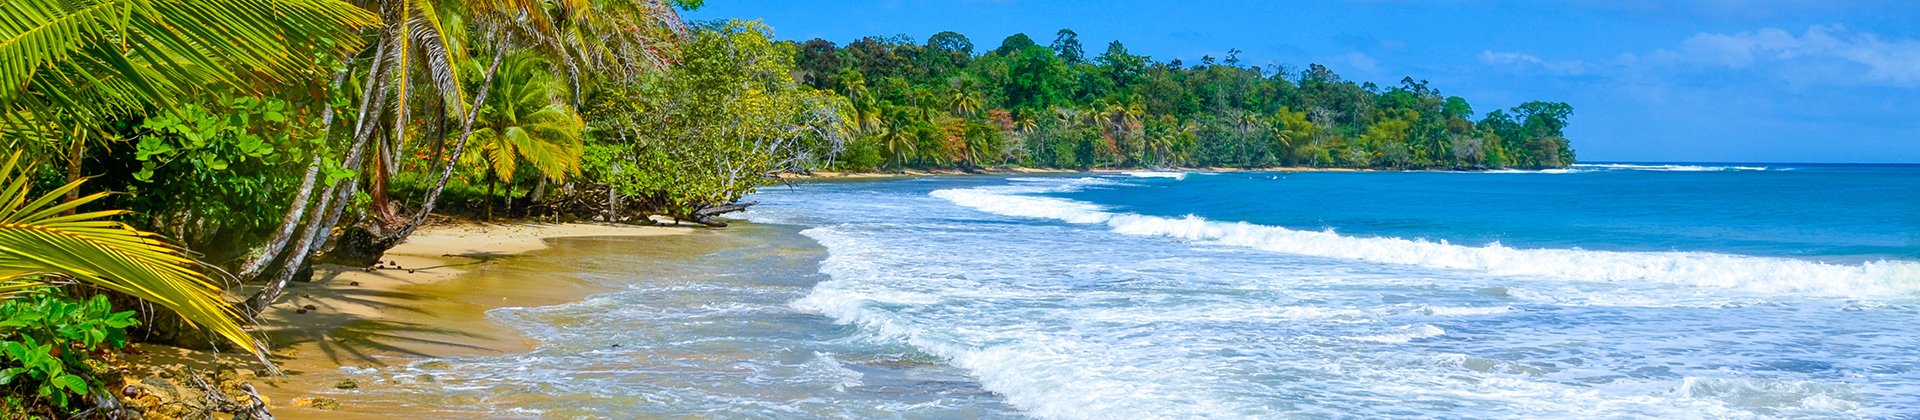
(49, 343)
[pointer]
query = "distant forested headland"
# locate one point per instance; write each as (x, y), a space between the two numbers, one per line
(950, 103)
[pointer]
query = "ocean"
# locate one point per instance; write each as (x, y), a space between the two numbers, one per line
(1610, 290)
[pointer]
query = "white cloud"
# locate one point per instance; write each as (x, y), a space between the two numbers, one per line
(1831, 54)
(1510, 58)
(1352, 65)
(1362, 62)
(1823, 55)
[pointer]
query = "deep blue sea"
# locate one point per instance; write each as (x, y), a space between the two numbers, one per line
(1604, 290)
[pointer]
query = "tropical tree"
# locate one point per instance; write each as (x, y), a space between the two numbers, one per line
(528, 122)
(692, 141)
(899, 138)
(964, 96)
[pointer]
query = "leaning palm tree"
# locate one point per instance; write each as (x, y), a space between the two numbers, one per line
(413, 44)
(618, 37)
(555, 28)
(39, 246)
(529, 123)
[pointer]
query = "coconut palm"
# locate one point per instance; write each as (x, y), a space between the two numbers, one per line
(67, 65)
(528, 122)
(508, 25)
(1025, 123)
(898, 136)
(1069, 117)
(963, 96)
(413, 45)
(40, 246)
(616, 38)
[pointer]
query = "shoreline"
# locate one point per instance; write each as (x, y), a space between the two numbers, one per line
(433, 306)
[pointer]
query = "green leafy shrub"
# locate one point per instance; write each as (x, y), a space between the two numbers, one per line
(46, 340)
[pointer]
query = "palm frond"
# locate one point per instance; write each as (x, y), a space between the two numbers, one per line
(37, 242)
(85, 60)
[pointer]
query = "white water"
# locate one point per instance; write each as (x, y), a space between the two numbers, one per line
(1116, 315)
(984, 298)
(1666, 168)
(1157, 174)
(1765, 275)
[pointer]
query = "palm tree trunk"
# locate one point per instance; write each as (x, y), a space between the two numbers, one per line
(377, 180)
(613, 198)
(271, 250)
(489, 199)
(74, 154)
(466, 133)
(267, 252)
(539, 190)
(332, 202)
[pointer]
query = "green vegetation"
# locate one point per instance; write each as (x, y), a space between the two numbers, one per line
(708, 130)
(47, 345)
(939, 104)
(261, 135)
(43, 239)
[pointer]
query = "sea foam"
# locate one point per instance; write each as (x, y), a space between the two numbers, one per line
(1665, 168)
(1702, 269)
(1157, 174)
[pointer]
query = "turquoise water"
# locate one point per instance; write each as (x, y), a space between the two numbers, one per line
(1612, 290)
(1651, 291)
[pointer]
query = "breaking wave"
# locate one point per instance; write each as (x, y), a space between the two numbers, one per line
(1702, 269)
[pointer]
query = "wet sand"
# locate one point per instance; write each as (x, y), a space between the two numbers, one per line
(433, 306)
(689, 326)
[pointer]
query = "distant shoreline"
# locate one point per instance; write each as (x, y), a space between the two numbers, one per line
(911, 173)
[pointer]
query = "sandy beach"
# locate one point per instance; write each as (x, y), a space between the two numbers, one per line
(429, 301)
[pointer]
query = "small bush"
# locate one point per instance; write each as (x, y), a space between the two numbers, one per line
(46, 341)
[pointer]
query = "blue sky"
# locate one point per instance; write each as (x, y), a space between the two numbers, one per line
(1711, 81)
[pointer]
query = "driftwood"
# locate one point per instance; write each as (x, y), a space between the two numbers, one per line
(704, 216)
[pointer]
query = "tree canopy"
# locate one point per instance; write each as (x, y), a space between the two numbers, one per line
(1025, 104)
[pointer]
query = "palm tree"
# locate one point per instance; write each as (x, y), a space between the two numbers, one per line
(39, 246)
(1069, 117)
(868, 118)
(528, 122)
(977, 148)
(413, 45)
(964, 96)
(898, 137)
(616, 38)
(1244, 124)
(1025, 123)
